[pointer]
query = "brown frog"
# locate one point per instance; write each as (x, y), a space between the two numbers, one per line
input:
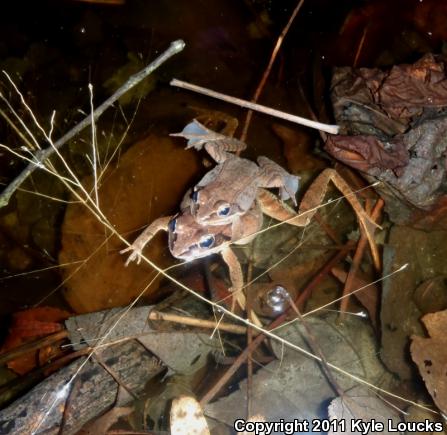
(205, 227)
(227, 191)
(189, 240)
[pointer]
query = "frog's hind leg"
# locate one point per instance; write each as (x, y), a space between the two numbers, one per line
(217, 145)
(273, 175)
(312, 199)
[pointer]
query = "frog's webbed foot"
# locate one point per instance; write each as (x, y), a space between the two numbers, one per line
(197, 135)
(273, 175)
(237, 281)
(136, 248)
(217, 145)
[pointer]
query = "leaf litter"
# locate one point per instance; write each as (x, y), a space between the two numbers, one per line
(285, 358)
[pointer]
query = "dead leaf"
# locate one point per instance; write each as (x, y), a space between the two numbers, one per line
(294, 386)
(365, 152)
(360, 403)
(425, 253)
(410, 166)
(409, 89)
(27, 325)
(430, 355)
(149, 182)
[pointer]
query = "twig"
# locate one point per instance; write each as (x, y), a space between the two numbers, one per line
(174, 48)
(360, 46)
(358, 255)
(269, 68)
(231, 370)
(68, 402)
(32, 346)
(114, 375)
(249, 291)
(277, 322)
(202, 323)
(326, 269)
(316, 349)
(20, 384)
(332, 129)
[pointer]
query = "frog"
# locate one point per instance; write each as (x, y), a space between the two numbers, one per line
(228, 190)
(188, 240)
(200, 230)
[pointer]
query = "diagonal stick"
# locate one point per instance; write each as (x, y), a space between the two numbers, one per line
(174, 48)
(332, 129)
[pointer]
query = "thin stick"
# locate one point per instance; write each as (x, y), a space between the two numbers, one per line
(358, 255)
(262, 334)
(269, 68)
(174, 48)
(202, 323)
(304, 296)
(32, 346)
(316, 349)
(360, 46)
(332, 129)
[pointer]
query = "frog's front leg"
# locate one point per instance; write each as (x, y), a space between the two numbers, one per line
(273, 175)
(160, 224)
(236, 276)
(237, 281)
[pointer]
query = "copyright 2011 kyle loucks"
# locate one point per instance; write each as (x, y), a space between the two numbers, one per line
(364, 427)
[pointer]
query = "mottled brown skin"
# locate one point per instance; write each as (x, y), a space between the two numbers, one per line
(188, 240)
(229, 190)
(237, 184)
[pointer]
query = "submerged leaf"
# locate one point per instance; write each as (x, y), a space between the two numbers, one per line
(360, 404)
(430, 355)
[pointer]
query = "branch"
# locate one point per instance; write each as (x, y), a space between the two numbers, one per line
(41, 156)
(332, 129)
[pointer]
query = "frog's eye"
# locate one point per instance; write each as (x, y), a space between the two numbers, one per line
(172, 225)
(207, 241)
(223, 210)
(195, 196)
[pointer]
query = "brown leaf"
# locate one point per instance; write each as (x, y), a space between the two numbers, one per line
(408, 89)
(365, 152)
(360, 403)
(149, 182)
(29, 324)
(430, 355)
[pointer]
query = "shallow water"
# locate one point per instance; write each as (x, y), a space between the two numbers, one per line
(54, 49)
